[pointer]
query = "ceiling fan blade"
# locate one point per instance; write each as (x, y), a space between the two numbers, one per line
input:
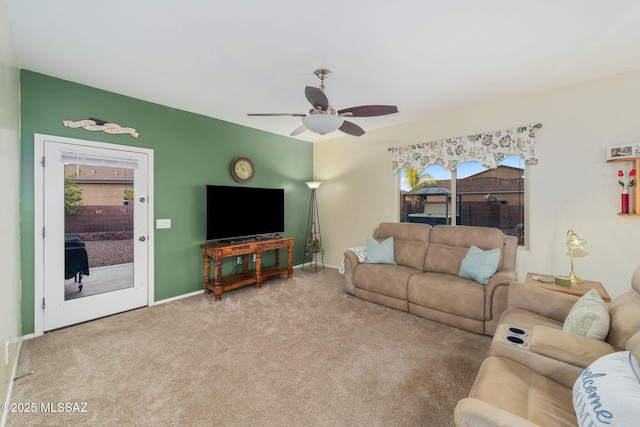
(351, 128)
(298, 130)
(316, 97)
(370, 110)
(276, 114)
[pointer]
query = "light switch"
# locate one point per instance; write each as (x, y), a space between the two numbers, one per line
(163, 223)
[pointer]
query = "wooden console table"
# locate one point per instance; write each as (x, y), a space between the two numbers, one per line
(218, 251)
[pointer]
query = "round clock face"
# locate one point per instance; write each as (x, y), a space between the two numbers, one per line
(242, 169)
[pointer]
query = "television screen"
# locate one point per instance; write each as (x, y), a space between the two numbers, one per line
(240, 212)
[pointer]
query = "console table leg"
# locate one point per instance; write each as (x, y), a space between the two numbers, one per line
(217, 284)
(207, 272)
(258, 269)
(290, 261)
(217, 291)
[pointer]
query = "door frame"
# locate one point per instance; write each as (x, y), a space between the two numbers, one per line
(38, 206)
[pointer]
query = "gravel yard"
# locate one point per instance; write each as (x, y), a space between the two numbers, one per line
(109, 252)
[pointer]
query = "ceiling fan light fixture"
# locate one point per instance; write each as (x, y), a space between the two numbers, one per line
(322, 123)
(323, 118)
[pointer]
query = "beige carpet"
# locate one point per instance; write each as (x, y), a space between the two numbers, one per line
(297, 352)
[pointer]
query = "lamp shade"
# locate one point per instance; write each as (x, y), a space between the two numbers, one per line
(574, 241)
(322, 123)
(313, 184)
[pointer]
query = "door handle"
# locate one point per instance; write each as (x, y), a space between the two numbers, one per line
(142, 238)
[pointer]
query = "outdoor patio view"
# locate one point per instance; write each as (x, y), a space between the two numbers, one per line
(98, 229)
(485, 197)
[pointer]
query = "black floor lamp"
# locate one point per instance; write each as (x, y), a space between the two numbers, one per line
(313, 239)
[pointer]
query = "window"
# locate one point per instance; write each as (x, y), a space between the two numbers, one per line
(486, 197)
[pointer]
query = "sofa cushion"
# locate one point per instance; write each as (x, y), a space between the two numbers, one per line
(479, 265)
(447, 293)
(608, 392)
(385, 279)
(518, 389)
(588, 317)
(410, 241)
(448, 245)
(380, 252)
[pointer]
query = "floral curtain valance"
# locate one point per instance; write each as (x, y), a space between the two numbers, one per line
(487, 149)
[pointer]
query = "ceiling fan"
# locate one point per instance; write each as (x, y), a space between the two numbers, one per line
(323, 118)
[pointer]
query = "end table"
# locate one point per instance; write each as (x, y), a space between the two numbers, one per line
(577, 289)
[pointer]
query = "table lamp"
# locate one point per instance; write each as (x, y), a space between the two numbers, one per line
(573, 242)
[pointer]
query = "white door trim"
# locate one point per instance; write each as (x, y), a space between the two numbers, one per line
(38, 206)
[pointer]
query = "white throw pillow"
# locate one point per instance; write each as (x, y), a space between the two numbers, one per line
(608, 392)
(589, 317)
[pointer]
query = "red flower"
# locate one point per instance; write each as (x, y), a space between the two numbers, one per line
(630, 182)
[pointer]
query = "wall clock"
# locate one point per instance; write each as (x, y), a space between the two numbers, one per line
(242, 169)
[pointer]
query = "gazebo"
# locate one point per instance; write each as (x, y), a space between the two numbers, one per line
(433, 213)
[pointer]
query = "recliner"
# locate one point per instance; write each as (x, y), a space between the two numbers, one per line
(532, 384)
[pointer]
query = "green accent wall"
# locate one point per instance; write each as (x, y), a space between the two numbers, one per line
(190, 151)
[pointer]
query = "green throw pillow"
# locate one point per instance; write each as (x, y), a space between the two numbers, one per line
(380, 253)
(479, 265)
(589, 317)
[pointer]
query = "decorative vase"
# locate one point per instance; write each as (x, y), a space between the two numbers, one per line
(625, 201)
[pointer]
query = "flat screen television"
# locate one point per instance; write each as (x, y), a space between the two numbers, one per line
(235, 213)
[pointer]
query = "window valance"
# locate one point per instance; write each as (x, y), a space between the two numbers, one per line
(487, 149)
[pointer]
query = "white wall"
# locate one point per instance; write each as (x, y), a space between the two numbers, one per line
(572, 186)
(10, 330)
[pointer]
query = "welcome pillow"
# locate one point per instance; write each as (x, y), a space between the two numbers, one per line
(380, 252)
(608, 392)
(589, 317)
(479, 265)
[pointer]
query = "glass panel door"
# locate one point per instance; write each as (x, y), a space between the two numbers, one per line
(95, 232)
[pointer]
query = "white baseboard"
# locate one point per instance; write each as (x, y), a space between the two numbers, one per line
(190, 294)
(325, 266)
(14, 371)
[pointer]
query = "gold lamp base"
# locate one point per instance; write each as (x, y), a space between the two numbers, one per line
(568, 280)
(573, 241)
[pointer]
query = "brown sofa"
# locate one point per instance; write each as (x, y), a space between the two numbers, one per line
(425, 280)
(532, 384)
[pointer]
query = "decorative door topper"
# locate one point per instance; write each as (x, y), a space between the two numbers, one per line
(97, 124)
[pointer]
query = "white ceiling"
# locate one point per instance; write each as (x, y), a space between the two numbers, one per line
(225, 59)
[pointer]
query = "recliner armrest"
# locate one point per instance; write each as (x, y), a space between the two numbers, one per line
(470, 412)
(566, 347)
(545, 302)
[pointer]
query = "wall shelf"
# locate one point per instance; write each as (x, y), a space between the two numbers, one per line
(635, 190)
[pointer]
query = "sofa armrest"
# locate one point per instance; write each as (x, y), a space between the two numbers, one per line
(566, 347)
(502, 277)
(470, 412)
(493, 308)
(545, 302)
(350, 263)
